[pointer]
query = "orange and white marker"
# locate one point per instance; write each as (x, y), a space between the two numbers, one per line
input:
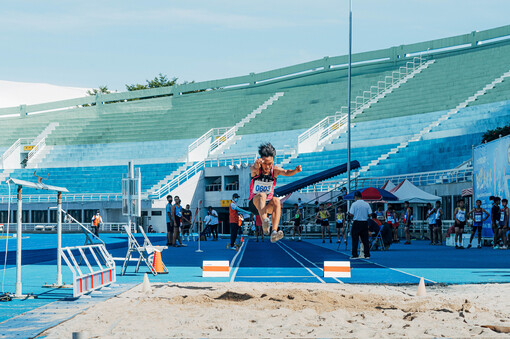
(216, 269)
(337, 269)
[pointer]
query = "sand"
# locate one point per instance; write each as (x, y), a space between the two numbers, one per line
(275, 310)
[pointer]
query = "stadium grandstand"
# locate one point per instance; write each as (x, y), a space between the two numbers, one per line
(417, 112)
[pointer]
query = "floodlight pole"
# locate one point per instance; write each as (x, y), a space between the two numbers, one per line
(59, 239)
(349, 103)
(18, 292)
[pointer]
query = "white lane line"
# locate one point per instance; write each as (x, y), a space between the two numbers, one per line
(393, 269)
(273, 276)
(293, 257)
(311, 262)
(241, 252)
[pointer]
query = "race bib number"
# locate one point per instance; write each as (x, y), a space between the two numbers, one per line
(478, 218)
(262, 187)
(461, 217)
(502, 217)
(390, 219)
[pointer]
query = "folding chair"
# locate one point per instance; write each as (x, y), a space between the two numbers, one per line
(134, 246)
(377, 241)
(150, 248)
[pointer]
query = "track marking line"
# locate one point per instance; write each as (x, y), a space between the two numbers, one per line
(311, 262)
(393, 269)
(273, 276)
(293, 257)
(240, 252)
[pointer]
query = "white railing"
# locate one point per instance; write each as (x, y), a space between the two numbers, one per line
(207, 135)
(418, 179)
(67, 227)
(11, 149)
(40, 145)
(174, 183)
(308, 140)
(222, 139)
(65, 197)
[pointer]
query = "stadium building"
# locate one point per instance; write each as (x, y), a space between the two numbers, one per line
(417, 112)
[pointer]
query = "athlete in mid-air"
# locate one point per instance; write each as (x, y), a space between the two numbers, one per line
(263, 180)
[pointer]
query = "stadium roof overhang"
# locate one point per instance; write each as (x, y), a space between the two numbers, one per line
(314, 178)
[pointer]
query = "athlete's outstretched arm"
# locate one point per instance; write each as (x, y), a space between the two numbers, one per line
(287, 173)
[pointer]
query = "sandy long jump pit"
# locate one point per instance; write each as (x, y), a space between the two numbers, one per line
(238, 310)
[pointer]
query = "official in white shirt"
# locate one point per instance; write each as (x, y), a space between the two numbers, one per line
(360, 212)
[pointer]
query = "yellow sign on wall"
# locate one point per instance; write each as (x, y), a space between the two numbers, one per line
(225, 203)
(28, 148)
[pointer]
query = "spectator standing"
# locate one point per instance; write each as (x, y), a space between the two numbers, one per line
(298, 215)
(177, 214)
(340, 225)
(503, 223)
(460, 223)
(233, 217)
(438, 228)
(169, 222)
(301, 207)
(186, 220)
(360, 211)
(214, 223)
(391, 219)
(478, 219)
(431, 219)
(97, 221)
(407, 219)
(323, 217)
(495, 217)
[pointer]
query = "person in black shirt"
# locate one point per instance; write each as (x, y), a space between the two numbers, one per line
(186, 220)
(495, 215)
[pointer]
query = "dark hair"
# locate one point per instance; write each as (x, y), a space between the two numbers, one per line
(209, 208)
(438, 202)
(168, 196)
(267, 150)
(461, 200)
(357, 194)
(478, 200)
(406, 202)
(295, 205)
(504, 200)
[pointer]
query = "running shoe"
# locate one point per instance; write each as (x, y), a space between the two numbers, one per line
(469, 246)
(354, 258)
(275, 236)
(265, 226)
(299, 239)
(479, 246)
(503, 248)
(366, 258)
(184, 245)
(496, 247)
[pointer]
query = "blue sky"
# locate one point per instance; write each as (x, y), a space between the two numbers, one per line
(92, 43)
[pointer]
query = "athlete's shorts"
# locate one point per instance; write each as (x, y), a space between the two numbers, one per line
(324, 222)
(439, 223)
(170, 227)
(178, 221)
(318, 222)
(297, 224)
(460, 225)
(432, 225)
(339, 225)
(186, 227)
(252, 208)
(477, 228)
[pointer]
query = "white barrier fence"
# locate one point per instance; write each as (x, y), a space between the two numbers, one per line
(66, 227)
(98, 276)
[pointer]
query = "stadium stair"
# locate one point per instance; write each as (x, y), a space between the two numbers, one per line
(418, 136)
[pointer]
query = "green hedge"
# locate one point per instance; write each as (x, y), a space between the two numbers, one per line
(495, 133)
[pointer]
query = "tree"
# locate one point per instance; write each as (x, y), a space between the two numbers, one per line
(494, 134)
(159, 81)
(101, 90)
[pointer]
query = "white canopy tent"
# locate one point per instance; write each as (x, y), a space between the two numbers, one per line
(388, 186)
(406, 191)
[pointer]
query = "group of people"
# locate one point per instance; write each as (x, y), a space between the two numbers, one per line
(177, 217)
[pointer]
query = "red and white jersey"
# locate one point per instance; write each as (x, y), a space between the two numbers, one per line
(263, 183)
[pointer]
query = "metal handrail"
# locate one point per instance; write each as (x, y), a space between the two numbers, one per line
(11, 149)
(65, 197)
(177, 180)
(222, 139)
(40, 145)
(207, 135)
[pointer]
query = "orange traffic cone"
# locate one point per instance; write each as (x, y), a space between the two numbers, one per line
(157, 263)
